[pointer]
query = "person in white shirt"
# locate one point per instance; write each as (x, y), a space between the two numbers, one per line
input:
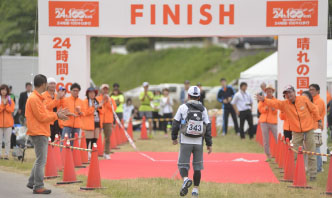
(194, 125)
(166, 105)
(242, 103)
(127, 110)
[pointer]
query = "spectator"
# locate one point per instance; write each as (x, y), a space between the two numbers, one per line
(156, 109)
(184, 92)
(202, 98)
(38, 123)
(107, 117)
(74, 105)
(91, 120)
(145, 109)
(52, 102)
(128, 109)
(12, 96)
(119, 99)
(268, 121)
(328, 96)
(286, 126)
(23, 100)
(301, 114)
(166, 105)
(7, 106)
(225, 96)
(242, 104)
(262, 93)
(314, 90)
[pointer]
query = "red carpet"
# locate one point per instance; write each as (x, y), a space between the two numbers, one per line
(241, 168)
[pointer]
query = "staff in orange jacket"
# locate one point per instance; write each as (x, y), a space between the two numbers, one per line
(38, 123)
(74, 105)
(53, 103)
(91, 121)
(107, 117)
(7, 107)
(268, 120)
(286, 126)
(314, 89)
(301, 114)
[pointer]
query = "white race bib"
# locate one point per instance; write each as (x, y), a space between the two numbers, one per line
(195, 127)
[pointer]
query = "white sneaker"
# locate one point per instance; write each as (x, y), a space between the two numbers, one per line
(107, 156)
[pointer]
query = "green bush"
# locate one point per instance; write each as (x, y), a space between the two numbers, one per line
(135, 45)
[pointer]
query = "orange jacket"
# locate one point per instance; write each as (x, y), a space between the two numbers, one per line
(88, 120)
(6, 116)
(107, 116)
(71, 103)
(38, 117)
(321, 109)
(328, 97)
(268, 114)
(50, 102)
(283, 117)
(300, 115)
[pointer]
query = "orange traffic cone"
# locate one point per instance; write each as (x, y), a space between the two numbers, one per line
(281, 152)
(50, 168)
(77, 154)
(123, 133)
(130, 129)
(94, 172)
(114, 143)
(300, 180)
(271, 144)
(84, 154)
(117, 134)
(289, 164)
(57, 154)
(69, 175)
(278, 149)
(329, 180)
(213, 127)
(100, 145)
(144, 134)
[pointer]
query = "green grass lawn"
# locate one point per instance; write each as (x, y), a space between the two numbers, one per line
(160, 187)
(206, 65)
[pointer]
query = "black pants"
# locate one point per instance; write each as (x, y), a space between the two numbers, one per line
(155, 115)
(55, 129)
(288, 134)
(246, 115)
(228, 111)
(165, 123)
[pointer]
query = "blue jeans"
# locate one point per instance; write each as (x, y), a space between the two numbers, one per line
(319, 160)
(70, 132)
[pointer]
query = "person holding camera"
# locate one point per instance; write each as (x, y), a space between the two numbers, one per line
(242, 104)
(53, 102)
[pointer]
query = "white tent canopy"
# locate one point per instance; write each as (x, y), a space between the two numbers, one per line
(268, 68)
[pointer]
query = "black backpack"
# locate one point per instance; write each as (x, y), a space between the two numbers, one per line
(194, 126)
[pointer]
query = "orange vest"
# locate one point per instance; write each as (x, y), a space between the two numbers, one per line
(319, 102)
(88, 120)
(38, 117)
(107, 116)
(268, 115)
(71, 103)
(6, 116)
(301, 115)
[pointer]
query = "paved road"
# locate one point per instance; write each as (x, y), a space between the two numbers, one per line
(13, 185)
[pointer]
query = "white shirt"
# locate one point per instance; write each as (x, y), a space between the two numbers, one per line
(127, 110)
(166, 107)
(242, 100)
(181, 115)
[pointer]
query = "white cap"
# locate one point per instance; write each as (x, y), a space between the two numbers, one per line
(194, 91)
(51, 80)
(145, 84)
